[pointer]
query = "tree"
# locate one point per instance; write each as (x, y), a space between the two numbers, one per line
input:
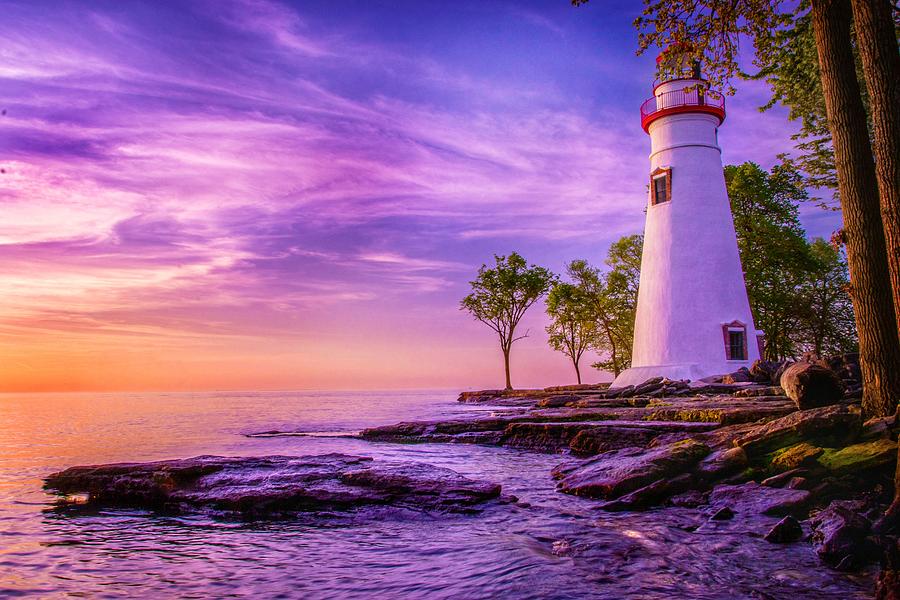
(797, 290)
(501, 295)
(614, 300)
(774, 252)
(826, 324)
(876, 34)
(879, 344)
(573, 326)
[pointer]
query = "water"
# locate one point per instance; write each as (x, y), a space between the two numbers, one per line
(559, 547)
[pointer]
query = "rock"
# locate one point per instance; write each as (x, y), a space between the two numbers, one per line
(763, 371)
(742, 375)
(783, 478)
(272, 486)
(811, 385)
(840, 536)
(795, 456)
(829, 426)
(689, 499)
(755, 499)
(651, 385)
(785, 531)
(557, 401)
(767, 391)
(723, 514)
(858, 458)
(614, 474)
(602, 437)
(722, 463)
(798, 483)
(879, 428)
(651, 495)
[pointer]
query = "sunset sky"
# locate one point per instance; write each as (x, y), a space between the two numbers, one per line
(274, 195)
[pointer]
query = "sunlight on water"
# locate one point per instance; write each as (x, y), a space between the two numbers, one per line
(551, 546)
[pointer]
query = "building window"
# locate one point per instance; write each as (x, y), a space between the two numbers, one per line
(735, 334)
(660, 186)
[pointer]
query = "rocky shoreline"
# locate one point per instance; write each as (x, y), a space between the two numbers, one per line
(789, 463)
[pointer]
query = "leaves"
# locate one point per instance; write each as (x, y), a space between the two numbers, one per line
(502, 294)
(794, 287)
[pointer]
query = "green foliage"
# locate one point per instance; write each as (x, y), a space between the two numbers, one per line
(709, 30)
(613, 297)
(787, 61)
(572, 328)
(501, 295)
(827, 325)
(797, 290)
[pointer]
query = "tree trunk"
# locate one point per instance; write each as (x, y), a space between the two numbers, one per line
(877, 43)
(506, 366)
(879, 346)
(577, 370)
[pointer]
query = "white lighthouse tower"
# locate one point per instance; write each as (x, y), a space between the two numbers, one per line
(693, 317)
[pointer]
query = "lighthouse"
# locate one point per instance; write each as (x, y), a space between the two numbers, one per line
(693, 317)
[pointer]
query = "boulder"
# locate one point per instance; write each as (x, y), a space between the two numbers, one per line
(840, 536)
(755, 499)
(742, 375)
(828, 426)
(614, 474)
(272, 486)
(811, 385)
(763, 371)
(785, 531)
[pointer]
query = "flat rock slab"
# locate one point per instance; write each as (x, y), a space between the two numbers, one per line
(754, 499)
(272, 486)
(832, 426)
(682, 411)
(614, 474)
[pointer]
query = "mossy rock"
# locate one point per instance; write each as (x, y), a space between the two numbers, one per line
(794, 456)
(859, 457)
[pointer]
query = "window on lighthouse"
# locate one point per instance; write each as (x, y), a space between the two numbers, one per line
(660, 186)
(735, 341)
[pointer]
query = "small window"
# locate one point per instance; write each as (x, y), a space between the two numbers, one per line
(736, 344)
(660, 186)
(735, 334)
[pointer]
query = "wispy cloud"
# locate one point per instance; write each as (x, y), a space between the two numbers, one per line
(256, 170)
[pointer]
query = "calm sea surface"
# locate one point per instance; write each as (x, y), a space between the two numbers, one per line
(559, 547)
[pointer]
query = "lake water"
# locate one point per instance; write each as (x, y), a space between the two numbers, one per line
(559, 547)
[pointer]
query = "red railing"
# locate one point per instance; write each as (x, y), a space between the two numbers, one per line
(680, 101)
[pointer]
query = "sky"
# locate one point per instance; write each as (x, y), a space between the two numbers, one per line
(256, 194)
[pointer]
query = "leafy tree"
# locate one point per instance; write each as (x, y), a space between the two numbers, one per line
(827, 326)
(797, 290)
(774, 251)
(501, 295)
(613, 296)
(710, 30)
(573, 327)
